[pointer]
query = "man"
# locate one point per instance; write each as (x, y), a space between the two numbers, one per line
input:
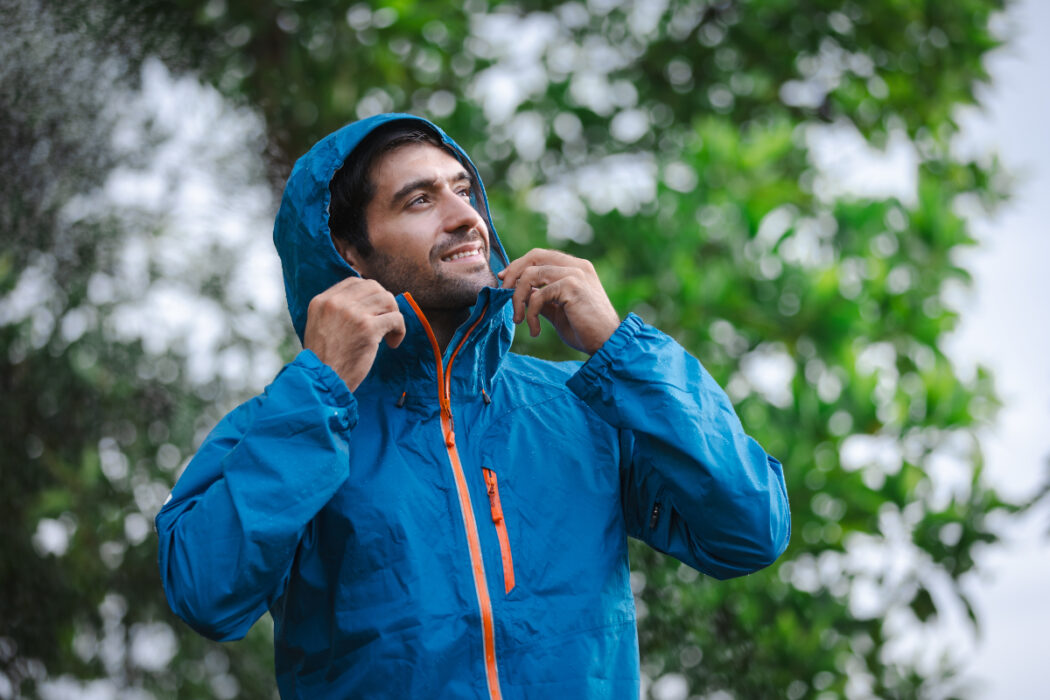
(424, 513)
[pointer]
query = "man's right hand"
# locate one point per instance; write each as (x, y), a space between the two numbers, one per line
(345, 323)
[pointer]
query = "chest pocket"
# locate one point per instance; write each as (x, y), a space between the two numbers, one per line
(500, 523)
(552, 484)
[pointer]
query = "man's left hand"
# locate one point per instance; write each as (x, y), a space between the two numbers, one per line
(567, 292)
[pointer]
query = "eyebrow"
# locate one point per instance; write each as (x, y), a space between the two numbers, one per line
(428, 184)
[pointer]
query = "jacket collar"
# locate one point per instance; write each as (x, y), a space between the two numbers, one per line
(479, 346)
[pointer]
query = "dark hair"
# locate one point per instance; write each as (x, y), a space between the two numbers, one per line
(352, 187)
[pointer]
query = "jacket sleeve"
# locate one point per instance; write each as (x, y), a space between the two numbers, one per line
(229, 532)
(694, 484)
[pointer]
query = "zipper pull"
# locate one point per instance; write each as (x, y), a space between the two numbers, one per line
(655, 517)
(446, 412)
(490, 486)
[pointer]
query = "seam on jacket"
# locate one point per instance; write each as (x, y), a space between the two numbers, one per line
(499, 418)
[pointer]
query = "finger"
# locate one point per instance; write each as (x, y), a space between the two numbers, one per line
(541, 275)
(522, 290)
(378, 302)
(378, 327)
(538, 277)
(512, 272)
(345, 293)
(543, 300)
(361, 289)
(520, 300)
(532, 318)
(396, 333)
(542, 256)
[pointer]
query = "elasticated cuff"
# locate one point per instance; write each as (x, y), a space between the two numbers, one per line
(585, 382)
(331, 383)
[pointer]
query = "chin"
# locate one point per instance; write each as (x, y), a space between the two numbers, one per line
(477, 278)
(452, 293)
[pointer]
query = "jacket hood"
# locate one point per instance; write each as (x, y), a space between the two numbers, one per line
(309, 259)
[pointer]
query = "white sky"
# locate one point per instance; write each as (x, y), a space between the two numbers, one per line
(1007, 327)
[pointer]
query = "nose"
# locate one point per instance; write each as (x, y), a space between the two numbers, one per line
(461, 216)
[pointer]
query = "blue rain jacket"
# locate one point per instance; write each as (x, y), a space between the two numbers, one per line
(457, 527)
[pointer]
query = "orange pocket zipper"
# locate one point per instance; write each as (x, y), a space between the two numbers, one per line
(501, 528)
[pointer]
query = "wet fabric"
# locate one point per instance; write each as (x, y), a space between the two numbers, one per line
(341, 515)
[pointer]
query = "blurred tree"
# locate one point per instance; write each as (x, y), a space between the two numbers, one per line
(674, 144)
(92, 424)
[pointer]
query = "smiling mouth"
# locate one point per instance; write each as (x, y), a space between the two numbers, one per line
(463, 254)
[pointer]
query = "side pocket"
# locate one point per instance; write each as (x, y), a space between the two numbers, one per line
(654, 515)
(501, 528)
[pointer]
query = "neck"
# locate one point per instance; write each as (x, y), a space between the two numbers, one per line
(444, 323)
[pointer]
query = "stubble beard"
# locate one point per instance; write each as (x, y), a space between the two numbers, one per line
(430, 287)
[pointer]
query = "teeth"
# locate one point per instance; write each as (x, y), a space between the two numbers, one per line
(464, 254)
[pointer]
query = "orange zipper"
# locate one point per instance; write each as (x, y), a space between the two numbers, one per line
(444, 378)
(501, 528)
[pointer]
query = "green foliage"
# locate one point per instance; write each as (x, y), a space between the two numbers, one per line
(93, 426)
(725, 236)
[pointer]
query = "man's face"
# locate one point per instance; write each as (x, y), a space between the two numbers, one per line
(427, 239)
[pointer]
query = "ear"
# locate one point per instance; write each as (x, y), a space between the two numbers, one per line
(349, 253)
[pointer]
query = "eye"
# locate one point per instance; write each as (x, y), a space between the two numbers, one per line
(464, 192)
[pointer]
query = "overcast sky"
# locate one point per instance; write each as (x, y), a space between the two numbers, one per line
(1006, 326)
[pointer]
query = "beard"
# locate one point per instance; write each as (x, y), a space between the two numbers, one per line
(431, 285)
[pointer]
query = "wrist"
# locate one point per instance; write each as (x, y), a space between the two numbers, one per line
(603, 332)
(602, 337)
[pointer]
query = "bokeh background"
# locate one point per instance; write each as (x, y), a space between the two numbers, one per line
(836, 205)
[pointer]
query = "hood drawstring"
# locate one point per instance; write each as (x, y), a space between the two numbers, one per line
(485, 397)
(401, 401)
